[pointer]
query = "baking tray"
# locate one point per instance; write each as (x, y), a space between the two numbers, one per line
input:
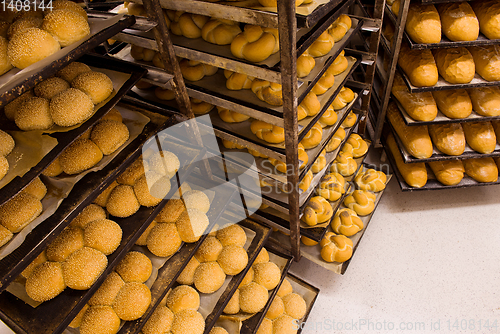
(9, 93)
(55, 315)
(445, 42)
(168, 273)
(64, 139)
(469, 153)
(441, 118)
(432, 182)
(312, 252)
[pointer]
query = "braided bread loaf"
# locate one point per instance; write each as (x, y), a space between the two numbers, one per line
(344, 164)
(200, 107)
(371, 180)
(318, 210)
(187, 24)
(268, 132)
(269, 92)
(347, 222)
(361, 201)
(331, 187)
(336, 248)
(355, 145)
(230, 116)
(255, 43)
(193, 70)
(232, 145)
(237, 81)
(281, 165)
(220, 31)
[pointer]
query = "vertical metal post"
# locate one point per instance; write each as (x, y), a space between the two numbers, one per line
(287, 27)
(166, 49)
(395, 48)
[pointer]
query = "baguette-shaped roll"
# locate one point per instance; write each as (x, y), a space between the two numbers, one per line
(419, 66)
(255, 43)
(448, 138)
(340, 27)
(414, 174)
(487, 60)
(496, 127)
(324, 84)
(305, 64)
(423, 24)
(339, 65)
(415, 139)
(455, 65)
(482, 169)
(480, 136)
(448, 172)
(420, 106)
(453, 103)
(322, 45)
(344, 97)
(458, 21)
(485, 100)
(488, 14)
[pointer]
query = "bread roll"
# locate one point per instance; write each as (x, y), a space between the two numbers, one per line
(339, 65)
(193, 70)
(196, 199)
(5, 64)
(458, 21)
(98, 86)
(305, 64)
(187, 274)
(328, 118)
(276, 309)
(71, 107)
(420, 106)
(317, 211)
(485, 100)
(269, 92)
(371, 179)
(72, 70)
(482, 169)
(50, 87)
(151, 188)
(267, 132)
(160, 321)
(344, 164)
(255, 43)
(232, 235)
(336, 248)
(415, 139)
(453, 103)
(171, 211)
(324, 84)
(237, 81)
(19, 211)
(448, 172)
(487, 60)
(310, 105)
(488, 14)
(165, 163)
(423, 24)
(11, 108)
(209, 250)
(82, 268)
(29, 46)
(340, 27)
(284, 324)
(322, 45)
(355, 145)
(248, 277)
(295, 305)
(107, 292)
(132, 301)
(104, 235)
(100, 320)
(69, 5)
(319, 163)
(419, 66)
(331, 187)
(34, 114)
(45, 282)
(66, 26)
(253, 298)
(415, 174)
(232, 259)
(122, 202)
(496, 127)
(362, 202)
(346, 221)
(191, 225)
(480, 136)
(209, 277)
(5, 235)
(133, 172)
(164, 240)
(188, 322)
(7, 143)
(455, 65)
(313, 137)
(81, 155)
(448, 138)
(88, 214)
(262, 257)
(267, 274)
(220, 31)
(183, 297)
(343, 98)
(68, 241)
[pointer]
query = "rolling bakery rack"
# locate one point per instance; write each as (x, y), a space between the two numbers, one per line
(386, 70)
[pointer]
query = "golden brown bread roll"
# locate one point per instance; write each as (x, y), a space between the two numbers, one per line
(268, 132)
(310, 106)
(196, 199)
(458, 21)
(71, 107)
(336, 248)
(232, 259)
(269, 92)
(11, 108)
(69, 5)
(45, 282)
(339, 65)
(66, 26)
(19, 211)
(350, 120)
(284, 324)
(319, 163)
(68, 241)
(109, 135)
(237, 81)
(340, 27)
(107, 292)
(276, 309)
(5, 64)
(191, 225)
(88, 214)
(355, 145)
(324, 83)
(5, 236)
(488, 14)
(487, 60)
(415, 139)
(230, 116)
(232, 235)
(322, 45)
(82, 268)
(209, 277)
(220, 31)
(164, 162)
(344, 164)
(285, 288)
(103, 197)
(30, 46)
(415, 174)
(482, 169)
(50, 87)
(81, 155)
(104, 235)
(453, 103)
(132, 301)
(480, 136)
(295, 305)
(159, 322)
(34, 114)
(419, 66)
(496, 127)
(262, 257)
(313, 137)
(163, 240)
(193, 70)
(281, 165)
(423, 24)
(122, 201)
(23, 24)
(448, 138)
(188, 25)
(183, 297)
(98, 86)
(346, 221)
(255, 43)
(188, 322)
(455, 65)
(253, 297)
(362, 202)
(485, 100)
(73, 70)
(420, 106)
(371, 179)
(7, 143)
(209, 250)
(151, 188)
(187, 274)
(267, 274)
(200, 107)
(100, 319)
(318, 210)
(331, 187)
(133, 172)
(329, 117)
(448, 172)
(305, 64)
(171, 211)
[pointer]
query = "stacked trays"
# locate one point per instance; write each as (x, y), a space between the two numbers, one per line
(400, 154)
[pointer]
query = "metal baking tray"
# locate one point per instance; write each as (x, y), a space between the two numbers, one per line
(469, 153)
(168, 274)
(64, 139)
(441, 118)
(49, 70)
(432, 182)
(54, 315)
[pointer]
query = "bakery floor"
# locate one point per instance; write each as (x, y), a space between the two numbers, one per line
(429, 262)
